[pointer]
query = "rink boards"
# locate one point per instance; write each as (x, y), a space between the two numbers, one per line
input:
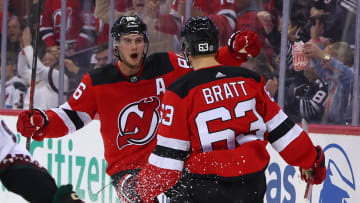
(78, 159)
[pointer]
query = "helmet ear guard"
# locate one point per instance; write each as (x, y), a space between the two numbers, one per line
(200, 36)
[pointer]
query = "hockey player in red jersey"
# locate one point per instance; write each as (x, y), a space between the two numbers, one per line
(23, 175)
(216, 123)
(126, 95)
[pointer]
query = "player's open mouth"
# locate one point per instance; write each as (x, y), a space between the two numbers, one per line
(134, 56)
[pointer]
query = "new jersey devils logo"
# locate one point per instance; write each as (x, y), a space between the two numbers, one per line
(57, 19)
(138, 122)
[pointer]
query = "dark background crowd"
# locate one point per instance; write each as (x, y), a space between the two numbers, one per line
(320, 91)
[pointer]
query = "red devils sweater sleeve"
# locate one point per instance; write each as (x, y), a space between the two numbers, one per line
(285, 136)
(154, 180)
(74, 114)
(46, 25)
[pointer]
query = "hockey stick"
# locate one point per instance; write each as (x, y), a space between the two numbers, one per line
(33, 67)
(82, 51)
(309, 186)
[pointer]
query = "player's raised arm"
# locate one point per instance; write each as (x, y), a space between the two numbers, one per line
(78, 111)
(241, 45)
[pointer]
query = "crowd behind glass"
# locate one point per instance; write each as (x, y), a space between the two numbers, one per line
(319, 75)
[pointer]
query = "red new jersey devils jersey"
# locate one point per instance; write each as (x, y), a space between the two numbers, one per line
(216, 123)
(127, 107)
(50, 24)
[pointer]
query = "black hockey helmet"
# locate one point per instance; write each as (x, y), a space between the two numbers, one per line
(128, 25)
(200, 36)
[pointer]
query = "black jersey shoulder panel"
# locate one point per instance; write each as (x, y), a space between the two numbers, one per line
(155, 65)
(106, 75)
(184, 84)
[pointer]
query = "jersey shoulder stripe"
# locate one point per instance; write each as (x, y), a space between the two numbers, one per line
(184, 84)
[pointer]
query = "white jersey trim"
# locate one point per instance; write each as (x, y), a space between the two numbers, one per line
(85, 117)
(47, 35)
(276, 121)
(285, 140)
(69, 124)
(242, 139)
(173, 143)
(166, 163)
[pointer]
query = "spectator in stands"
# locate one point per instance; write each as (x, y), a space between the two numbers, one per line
(310, 94)
(1, 15)
(259, 65)
(45, 94)
(15, 88)
(149, 11)
(222, 13)
(298, 29)
(78, 35)
(102, 9)
(318, 28)
(334, 64)
(162, 39)
(22, 9)
(246, 19)
(301, 86)
(101, 55)
(99, 30)
(340, 21)
(13, 35)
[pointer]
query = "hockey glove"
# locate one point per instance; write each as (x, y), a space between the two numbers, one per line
(32, 125)
(317, 173)
(65, 194)
(244, 44)
(127, 189)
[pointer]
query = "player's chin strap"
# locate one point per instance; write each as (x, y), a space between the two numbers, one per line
(186, 56)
